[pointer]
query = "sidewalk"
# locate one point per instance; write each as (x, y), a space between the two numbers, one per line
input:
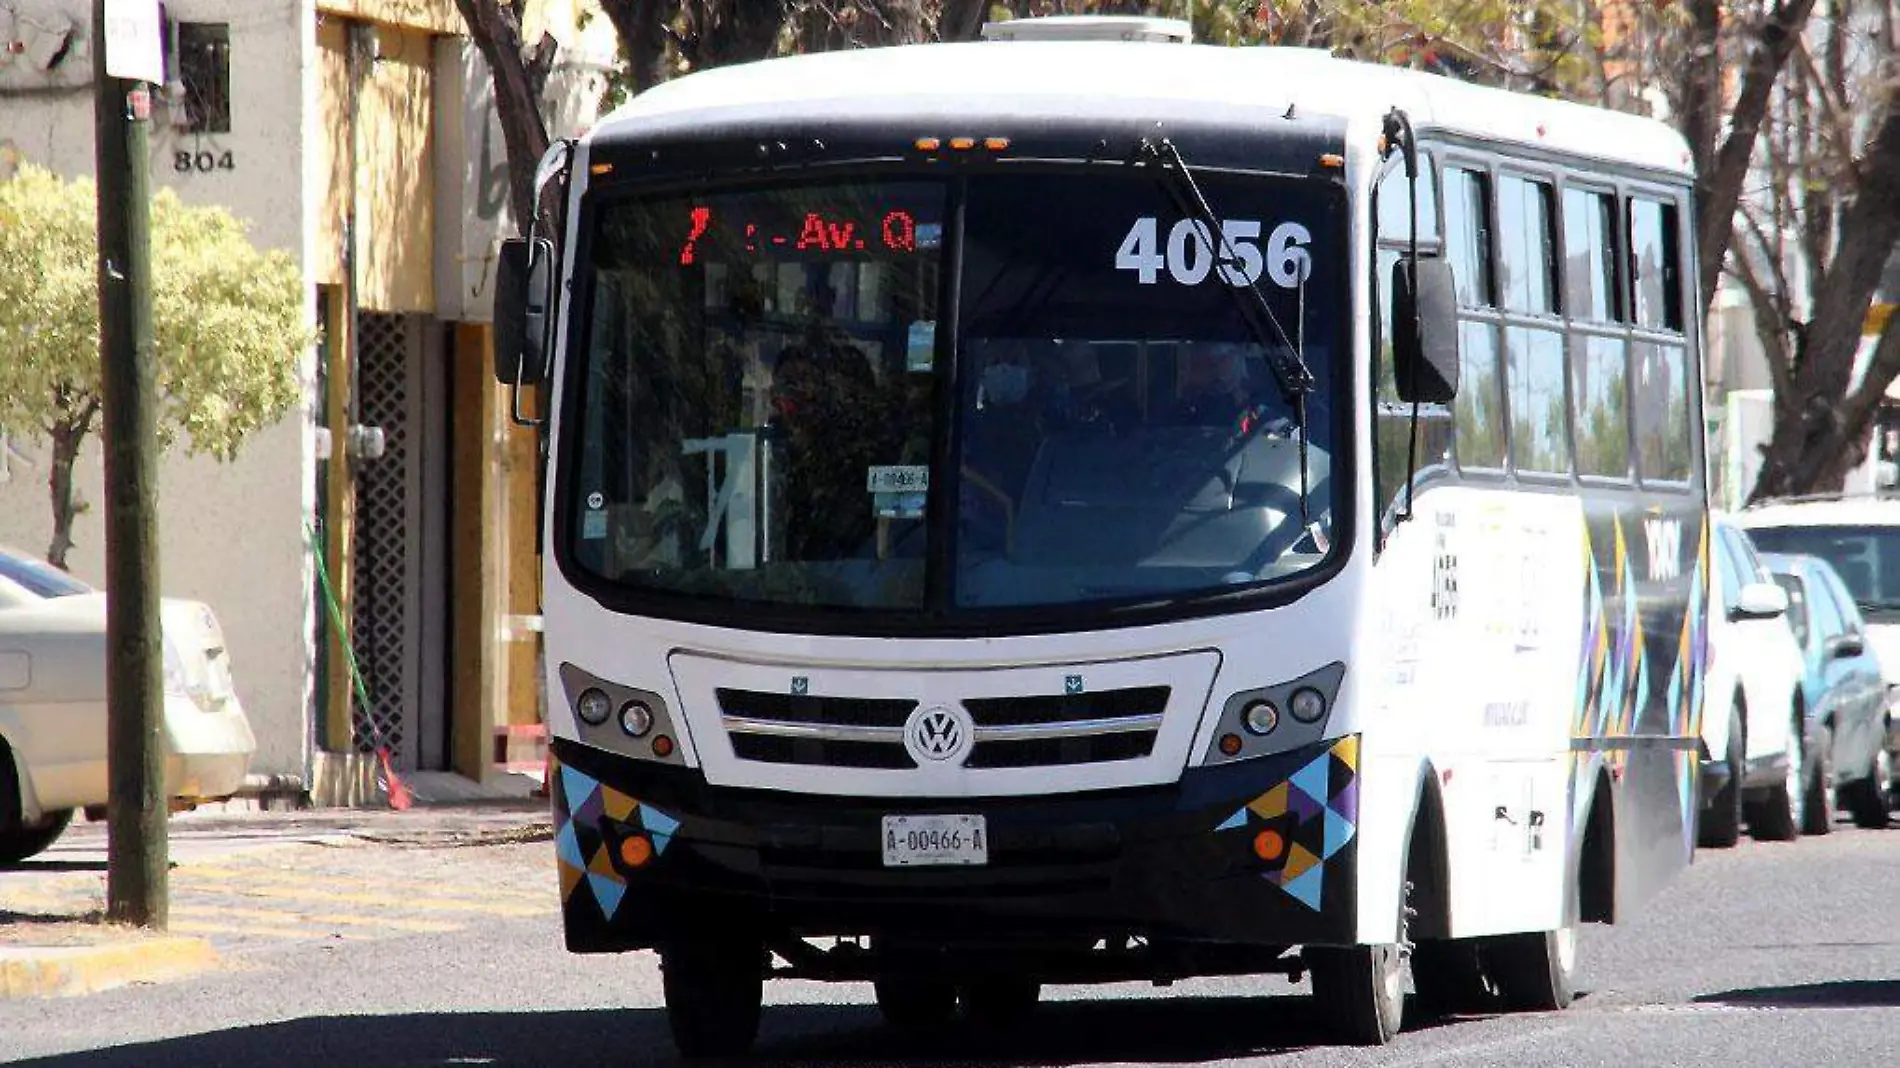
(230, 889)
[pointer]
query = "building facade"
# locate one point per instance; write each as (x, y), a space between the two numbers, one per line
(358, 136)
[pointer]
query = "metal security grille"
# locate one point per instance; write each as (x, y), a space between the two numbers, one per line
(381, 538)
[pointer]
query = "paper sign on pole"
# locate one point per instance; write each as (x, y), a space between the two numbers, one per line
(134, 49)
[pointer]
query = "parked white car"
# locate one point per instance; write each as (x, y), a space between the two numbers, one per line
(1753, 725)
(53, 704)
(1860, 538)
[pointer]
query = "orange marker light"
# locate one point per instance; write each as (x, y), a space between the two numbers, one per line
(1332, 159)
(1230, 744)
(928, 144)
(963, 144)
(662, 746)
(996, 144)
(636, 851)
(600, 169)
(1269, 845)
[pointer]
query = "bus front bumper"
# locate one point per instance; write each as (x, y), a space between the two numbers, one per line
(1260, 852)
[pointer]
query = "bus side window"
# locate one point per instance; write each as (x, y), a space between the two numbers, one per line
(1526, 252)
(1590, 256)
(1665, 446)
(1468, 236)
(1392, 420)
(1655, 264)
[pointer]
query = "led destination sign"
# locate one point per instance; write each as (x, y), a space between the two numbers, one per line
(816, 233)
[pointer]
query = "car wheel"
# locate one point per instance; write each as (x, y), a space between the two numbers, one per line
(19, 843)
(1536, 972)
(1777, 817)
(1820, 789)
(1722, 821)
(1870, 799)
(714, 985)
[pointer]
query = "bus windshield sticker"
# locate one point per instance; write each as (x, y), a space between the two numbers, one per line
(593, 525)
(909, 478)
(921, 346)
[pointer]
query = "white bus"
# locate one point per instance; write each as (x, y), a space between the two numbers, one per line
(1067, 511)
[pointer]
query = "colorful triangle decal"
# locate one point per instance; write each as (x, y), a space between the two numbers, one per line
(1338, 833)
(602, 864)
(657, 822)
(1270, 804)
(1306, 888)
(1312, 780)
(1346, 751)
(660, 842)
(608, 893)
(567, 848)
(1235, 821)
(578, 788)
(570, 878)
(1298, 860)
(617, 805)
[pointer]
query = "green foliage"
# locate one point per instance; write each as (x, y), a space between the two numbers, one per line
(229, 320)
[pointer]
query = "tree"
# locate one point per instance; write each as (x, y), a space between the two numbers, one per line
(1824, 223)
(229, 322)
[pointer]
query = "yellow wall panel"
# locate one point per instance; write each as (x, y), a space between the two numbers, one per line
(332, 150)
(433, 16)
(395, 178)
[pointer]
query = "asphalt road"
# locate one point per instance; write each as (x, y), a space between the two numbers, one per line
(1765, 955)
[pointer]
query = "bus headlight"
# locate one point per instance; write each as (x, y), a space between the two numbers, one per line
(1251, 724)
(636, 719)
(594, 706)
(1261, 717)
(1307, 705)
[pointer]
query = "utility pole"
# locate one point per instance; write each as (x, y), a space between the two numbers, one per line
(137, 851)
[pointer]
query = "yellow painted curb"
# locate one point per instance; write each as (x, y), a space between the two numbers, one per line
(66, 971)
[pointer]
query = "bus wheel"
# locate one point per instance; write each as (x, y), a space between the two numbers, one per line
(917, 1004)
(714, 984)
(1360, 989)
(1000, 1004)
(1722, 822)
(1449, 976)
(1535, 971)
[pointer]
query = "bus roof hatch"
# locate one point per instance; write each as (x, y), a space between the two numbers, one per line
(1090, 28)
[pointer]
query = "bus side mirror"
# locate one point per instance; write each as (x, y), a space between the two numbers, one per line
(1425, 332)
(524, 280)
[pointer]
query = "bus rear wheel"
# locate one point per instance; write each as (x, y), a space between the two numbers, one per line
(1000, 1003)
(1535, 972)
(1361, 991)
(714, 985)
(1449, 976)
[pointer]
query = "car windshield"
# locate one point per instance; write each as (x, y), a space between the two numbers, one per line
(1866, 558)
(766, 414)
(38, 578)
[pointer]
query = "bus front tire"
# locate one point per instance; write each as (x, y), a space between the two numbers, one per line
(714, 986)
(917, 1004)
(1360, 990)
(1000, 1004)
(1535, 972)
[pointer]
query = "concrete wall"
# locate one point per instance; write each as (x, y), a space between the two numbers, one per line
(230, 534)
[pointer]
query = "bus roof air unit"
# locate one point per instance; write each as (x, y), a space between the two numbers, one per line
(1091, 28)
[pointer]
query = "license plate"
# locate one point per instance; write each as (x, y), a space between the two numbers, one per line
(912, 841)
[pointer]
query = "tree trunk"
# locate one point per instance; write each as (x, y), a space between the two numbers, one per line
(519, 79)
(1813, 451)
(641, 27)
(962, 20)
(66, 441)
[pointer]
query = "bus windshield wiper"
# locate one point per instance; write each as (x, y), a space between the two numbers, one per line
(1285, 358)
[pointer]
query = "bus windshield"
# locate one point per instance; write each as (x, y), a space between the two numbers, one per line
(771, 407)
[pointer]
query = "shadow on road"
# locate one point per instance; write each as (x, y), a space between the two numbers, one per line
(1168, 1031)
(1857, 994)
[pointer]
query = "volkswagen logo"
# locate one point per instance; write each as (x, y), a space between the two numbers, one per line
(939, 734)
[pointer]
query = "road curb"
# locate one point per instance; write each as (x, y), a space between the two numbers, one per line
(67, 971)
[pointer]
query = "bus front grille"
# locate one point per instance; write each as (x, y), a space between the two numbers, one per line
(1010, 732)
